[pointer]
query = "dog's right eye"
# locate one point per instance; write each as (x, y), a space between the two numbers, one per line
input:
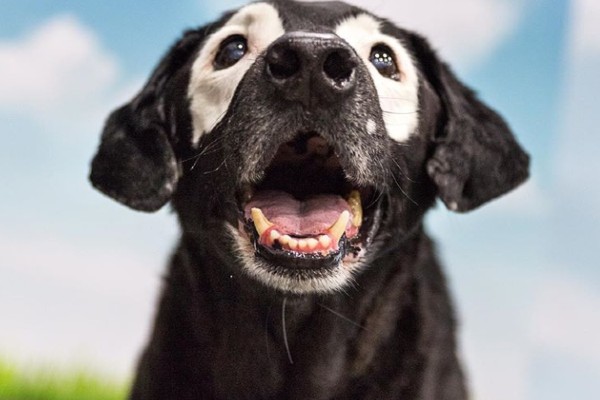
(230, 52)
(382, 57)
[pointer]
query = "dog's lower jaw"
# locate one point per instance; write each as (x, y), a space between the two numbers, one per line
(332, 279)
(389, 336)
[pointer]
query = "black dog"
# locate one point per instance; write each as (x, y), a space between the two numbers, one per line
(300, 145)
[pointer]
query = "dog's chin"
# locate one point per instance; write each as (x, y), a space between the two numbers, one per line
(295, 274)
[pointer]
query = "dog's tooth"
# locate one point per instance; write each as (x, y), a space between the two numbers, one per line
(293, 244)
(284, 240)
(312, 243)
(274, 235)
(339, 227)
(260, 221)
(302, 244)
(356, 207)
(325, 241)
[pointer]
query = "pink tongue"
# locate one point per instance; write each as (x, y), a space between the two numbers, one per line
(294, 217)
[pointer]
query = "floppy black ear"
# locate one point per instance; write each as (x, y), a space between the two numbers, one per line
(135, 163)
(476, 157)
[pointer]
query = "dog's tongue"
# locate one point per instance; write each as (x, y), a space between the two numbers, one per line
(311, 216)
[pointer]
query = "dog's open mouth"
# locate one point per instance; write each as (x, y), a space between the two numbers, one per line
(305, 213)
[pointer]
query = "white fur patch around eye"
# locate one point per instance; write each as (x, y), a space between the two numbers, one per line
(210, 91)
(399, 101)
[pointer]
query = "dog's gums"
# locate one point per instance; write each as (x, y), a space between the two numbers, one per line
(270, 235)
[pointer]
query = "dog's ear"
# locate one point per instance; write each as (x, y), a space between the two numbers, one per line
(476, 157)
(135, 163)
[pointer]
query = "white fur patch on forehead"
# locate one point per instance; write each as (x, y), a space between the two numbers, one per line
(399, 100)
(210, 91)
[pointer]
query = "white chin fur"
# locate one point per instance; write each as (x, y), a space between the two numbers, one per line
(337, 280)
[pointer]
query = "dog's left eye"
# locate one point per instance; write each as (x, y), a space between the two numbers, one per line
(382, 57)
(230, 52)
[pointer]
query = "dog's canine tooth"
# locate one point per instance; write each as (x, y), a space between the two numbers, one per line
(260, 221)
(339, 227)
(325, 241)
(356, 207)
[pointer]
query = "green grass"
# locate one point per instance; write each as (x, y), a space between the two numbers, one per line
(46, 383)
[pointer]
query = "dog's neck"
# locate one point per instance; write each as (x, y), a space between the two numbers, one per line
(283, 315)
(310, 346)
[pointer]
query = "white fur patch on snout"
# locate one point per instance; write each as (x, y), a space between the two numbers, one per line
(211, 91)
(399, 100)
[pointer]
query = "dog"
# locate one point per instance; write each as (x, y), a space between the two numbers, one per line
(300, 146)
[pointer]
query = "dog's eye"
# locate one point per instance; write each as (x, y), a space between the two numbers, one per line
(230, 52)
(382, 57)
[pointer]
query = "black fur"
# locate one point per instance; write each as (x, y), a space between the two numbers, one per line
(219, 333)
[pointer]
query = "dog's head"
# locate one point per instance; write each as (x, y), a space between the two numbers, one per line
(297, 141)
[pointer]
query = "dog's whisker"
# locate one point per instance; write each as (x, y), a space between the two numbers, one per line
(397, 98)
(216, 169)
(402, 190)
(343, 317)
(374, 201)
(284, 328)
(399, 112)
(268, 348)
(402, 172)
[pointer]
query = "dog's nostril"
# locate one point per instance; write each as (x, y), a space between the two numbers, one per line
(339, 66)
(282, 63)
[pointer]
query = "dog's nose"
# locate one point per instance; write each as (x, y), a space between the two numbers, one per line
(315, 69)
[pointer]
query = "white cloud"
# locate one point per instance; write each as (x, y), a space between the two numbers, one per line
(119, 274)
(528, 200)
(65, 296)
(67, 301)
(566, 319)
(496, 368)
(586, 26)
(464, 31)
(576, 161)
(58, 69)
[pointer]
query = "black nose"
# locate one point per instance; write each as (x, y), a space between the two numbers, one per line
(315, 69)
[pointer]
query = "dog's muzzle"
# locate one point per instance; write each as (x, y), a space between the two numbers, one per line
(307, 211)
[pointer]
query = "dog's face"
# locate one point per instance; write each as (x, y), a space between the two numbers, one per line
(300, 141)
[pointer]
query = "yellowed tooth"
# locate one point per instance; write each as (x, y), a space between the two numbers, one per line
(302, 244)
(284, 240)
(260, 221)
(293, 244)
(274, 235)
(325, 241)
(339, 227)
(356, 207)
(312, 243)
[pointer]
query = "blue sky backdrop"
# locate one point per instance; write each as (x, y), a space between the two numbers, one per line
(79, 274)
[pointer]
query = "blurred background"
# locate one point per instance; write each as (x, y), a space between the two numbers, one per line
(79, 274)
